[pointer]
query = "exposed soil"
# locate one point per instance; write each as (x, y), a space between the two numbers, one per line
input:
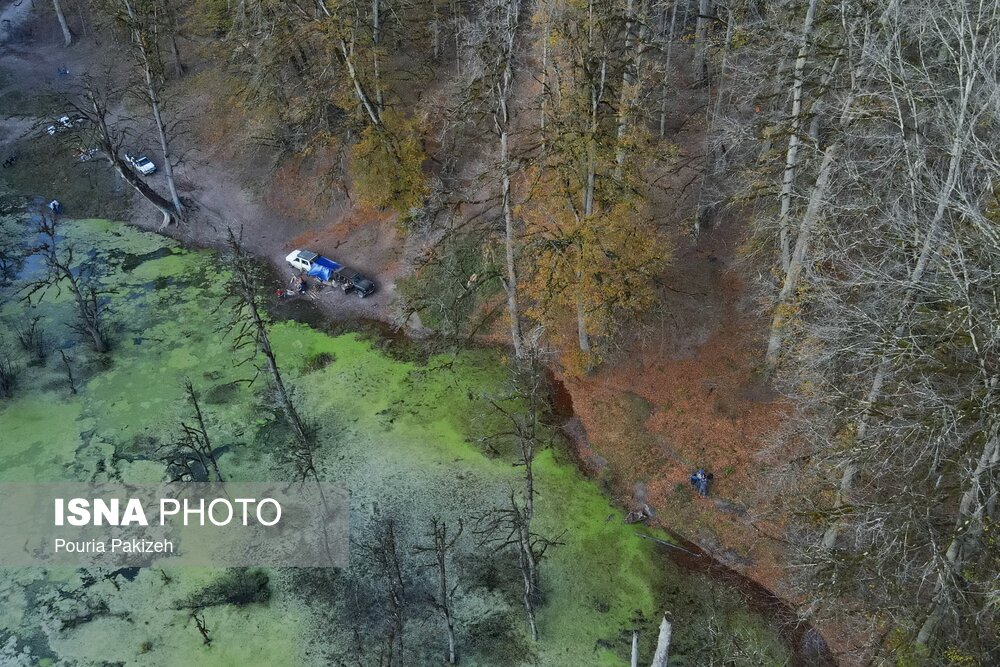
(212, 177)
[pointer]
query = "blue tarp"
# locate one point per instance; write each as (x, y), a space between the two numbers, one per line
(323, 268)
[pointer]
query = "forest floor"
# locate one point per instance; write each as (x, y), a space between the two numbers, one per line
(683, 394)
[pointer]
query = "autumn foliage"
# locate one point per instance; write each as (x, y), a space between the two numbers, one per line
(386, 164)
(594, 272)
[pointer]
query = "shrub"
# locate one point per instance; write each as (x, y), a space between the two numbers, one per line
(318, 362)
(238, 586)
(10, 373)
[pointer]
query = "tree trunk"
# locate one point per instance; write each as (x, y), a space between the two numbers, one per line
(89, 314)
(502, 121)
(264, 345)
(630, 77)
(359, 90)
(376, 44)
(706, 13)
(529, 574)
(510, 284)
(816, 200)
(590, 182)
(67, 33)
(152, 89)
(662, 644)
(581, 326)
(791, 155)
(968, 529)
(168, 167)
(149, 194)
(456, 20)
(174, 50)
(666, 70)
(435, 30)
(545, 83)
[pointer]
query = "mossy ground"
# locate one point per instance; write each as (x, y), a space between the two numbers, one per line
(402, 435)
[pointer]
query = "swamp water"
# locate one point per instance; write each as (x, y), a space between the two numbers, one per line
(410, 439)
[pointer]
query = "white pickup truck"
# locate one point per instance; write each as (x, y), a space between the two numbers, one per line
(301, 259)
(142, 163)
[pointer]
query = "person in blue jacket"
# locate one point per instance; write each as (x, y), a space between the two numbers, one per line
(700, 480)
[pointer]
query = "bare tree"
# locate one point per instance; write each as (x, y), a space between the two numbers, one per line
(144, 20)
(439, 549)
(383, 551)
(88, 295)
(192, 457)
(510, 526)
(110, 139)
(706, 15)
(885, 288)
(248, 325)
(69, 372)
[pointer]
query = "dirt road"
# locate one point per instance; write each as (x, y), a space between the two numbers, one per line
(31, 57)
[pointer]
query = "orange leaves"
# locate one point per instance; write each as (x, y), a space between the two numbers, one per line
(593, 272)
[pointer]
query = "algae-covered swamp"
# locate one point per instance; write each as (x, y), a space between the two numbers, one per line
(412, 435)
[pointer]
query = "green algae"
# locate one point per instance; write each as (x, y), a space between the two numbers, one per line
(402, 435)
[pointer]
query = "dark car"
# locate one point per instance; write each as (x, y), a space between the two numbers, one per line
(350, 279)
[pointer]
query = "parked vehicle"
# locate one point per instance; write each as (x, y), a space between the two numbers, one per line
(66, 122)
(142, 164)
(323, 269)
(330, 272)
(349, 280)
(301, 259)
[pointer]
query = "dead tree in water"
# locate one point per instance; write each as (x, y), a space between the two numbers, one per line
(87, 294)
(510, 526)
(441, 546)
(194, 449)
(249, 325)
(662, 653)
(69, 373)
(382, 550)
(199, 622)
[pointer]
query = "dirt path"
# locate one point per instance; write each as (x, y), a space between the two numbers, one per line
(14, 18)
(207, 179)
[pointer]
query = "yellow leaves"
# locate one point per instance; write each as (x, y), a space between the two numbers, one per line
(387, 162)
(596, 269)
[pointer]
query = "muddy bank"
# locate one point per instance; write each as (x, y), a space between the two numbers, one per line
(807, 645)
